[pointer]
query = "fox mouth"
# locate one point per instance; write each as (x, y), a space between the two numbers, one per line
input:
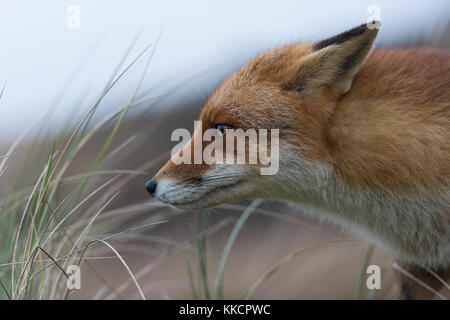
(193, 203)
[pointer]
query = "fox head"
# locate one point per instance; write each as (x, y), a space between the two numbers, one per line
(293, 89)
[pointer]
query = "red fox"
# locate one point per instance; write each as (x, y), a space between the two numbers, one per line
(364, 141)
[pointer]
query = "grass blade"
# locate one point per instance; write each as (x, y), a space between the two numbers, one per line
(227, 249)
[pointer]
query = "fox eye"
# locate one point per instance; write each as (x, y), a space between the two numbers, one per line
(221, 128)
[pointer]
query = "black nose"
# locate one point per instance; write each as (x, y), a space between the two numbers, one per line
(151, 186)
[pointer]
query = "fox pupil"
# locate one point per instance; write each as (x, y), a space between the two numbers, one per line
(222, 127)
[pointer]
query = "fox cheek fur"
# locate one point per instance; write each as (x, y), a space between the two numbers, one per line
(364, 142)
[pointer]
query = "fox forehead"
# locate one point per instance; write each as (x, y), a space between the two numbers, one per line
(252, 96)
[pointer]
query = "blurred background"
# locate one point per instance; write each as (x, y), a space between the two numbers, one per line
(92, 91)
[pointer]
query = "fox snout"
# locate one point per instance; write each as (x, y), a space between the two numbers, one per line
(219, 184)
(151, 186)
(217, 164)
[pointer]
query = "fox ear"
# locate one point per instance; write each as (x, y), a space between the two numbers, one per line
(333, 62)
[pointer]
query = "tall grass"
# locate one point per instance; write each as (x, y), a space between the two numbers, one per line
(203, 288)
(45, 225)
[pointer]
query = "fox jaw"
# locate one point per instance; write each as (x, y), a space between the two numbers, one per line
(335, 156)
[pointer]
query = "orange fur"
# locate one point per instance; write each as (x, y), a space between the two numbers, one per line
(391, 130)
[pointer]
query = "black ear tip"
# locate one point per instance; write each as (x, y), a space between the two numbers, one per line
(347, 35)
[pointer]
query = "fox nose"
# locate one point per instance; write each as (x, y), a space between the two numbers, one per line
(151, 186)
